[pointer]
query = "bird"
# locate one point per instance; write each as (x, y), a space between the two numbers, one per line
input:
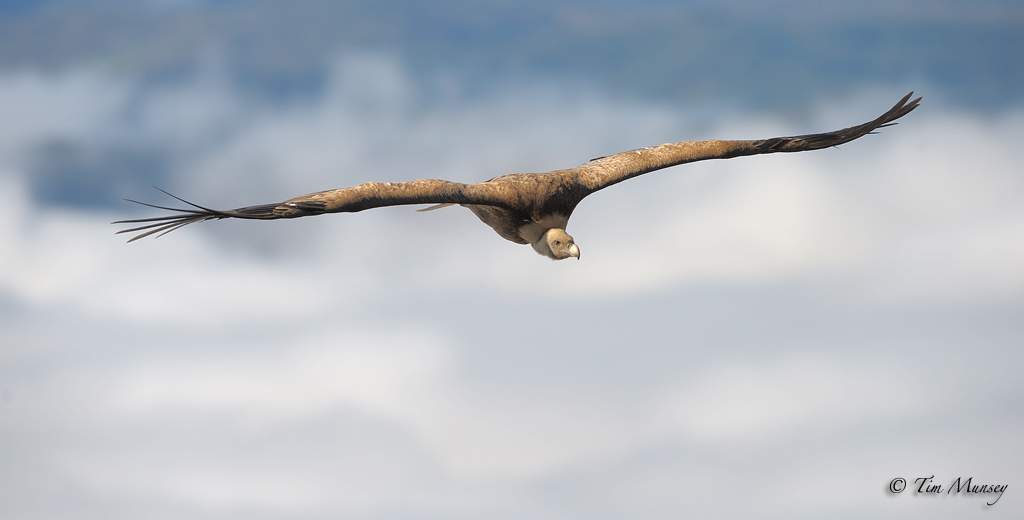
(525, 208)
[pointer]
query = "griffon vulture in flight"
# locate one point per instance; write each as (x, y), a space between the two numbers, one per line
(526, 208)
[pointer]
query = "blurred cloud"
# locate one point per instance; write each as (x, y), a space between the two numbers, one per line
(763, 221)
(737, 333)
(77, 105)
(740, 405)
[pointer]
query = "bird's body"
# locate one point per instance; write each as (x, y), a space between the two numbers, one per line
(525, 208)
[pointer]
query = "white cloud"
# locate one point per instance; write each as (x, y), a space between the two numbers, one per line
(314, 375)
(857, 211)
(82, 105)
(405, 381)
(344, 364)
(743, 406)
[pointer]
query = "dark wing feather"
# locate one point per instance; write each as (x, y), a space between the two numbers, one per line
(606, 171)
(357, 198)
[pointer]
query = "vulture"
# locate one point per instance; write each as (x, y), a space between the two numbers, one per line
(525, 208)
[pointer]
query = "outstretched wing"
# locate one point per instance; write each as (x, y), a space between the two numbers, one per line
(356, 198)
(606, 171)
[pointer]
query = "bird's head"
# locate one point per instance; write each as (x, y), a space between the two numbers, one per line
(556, 244)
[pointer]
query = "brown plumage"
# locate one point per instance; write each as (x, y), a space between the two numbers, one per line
(526, 208)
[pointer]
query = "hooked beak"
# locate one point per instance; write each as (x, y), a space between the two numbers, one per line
(574, 250)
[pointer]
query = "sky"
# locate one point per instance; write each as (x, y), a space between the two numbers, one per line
(778, 336)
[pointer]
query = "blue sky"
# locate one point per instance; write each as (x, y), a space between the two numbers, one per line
(776, 336)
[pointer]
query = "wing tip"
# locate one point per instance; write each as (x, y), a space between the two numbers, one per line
(902, 108)
(163, 225)
(184, 216)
